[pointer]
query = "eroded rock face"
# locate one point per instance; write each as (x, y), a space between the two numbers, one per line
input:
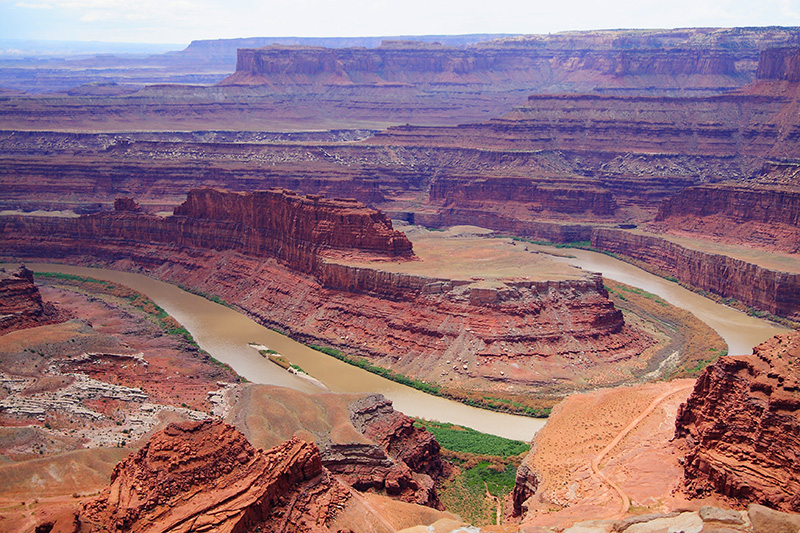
(312, 220)
(771, 290)
(741, 423)
(362, 439)
(21, 304)
(206, 476)
(414, 463)
(779, 64)
(508, 333)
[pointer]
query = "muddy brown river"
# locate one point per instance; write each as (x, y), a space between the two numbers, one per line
(227, 335)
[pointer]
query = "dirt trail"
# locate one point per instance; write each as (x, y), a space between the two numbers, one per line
(498, 502)
(595, 463)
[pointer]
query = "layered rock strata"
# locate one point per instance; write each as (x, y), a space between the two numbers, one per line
(779, 64)
(763, 213)
(741, 427)
(501, 332)
(21, 305)
(695, 59)
(362, 440)
(205, 475)
(756, 286)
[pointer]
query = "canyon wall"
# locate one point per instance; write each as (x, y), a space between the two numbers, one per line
(763, 212)
(741, 427)
(779, 64)
(736, 202)
(501, 332)
(759, 287)
(21, 304)
(314, 220)
(274, 223)
(647, 61)
(556, 196)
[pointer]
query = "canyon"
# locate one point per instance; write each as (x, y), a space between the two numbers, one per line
(116, 383)
(675, 150)
(334, 272)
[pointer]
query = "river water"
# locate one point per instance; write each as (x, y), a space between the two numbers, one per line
(226, 335)
(741, 331)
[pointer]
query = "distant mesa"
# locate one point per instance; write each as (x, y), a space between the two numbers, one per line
(779, 64)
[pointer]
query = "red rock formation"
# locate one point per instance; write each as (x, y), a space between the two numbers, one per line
(414, 451)
(126, 204)
(21, 304)
(275, 223)
(764, 212)
(779, 64)
(310, 220)
(363, 440)
(532, 194)
(205, 475)
(405, 322)
(697, 58)
(770, 290)
(741, 425)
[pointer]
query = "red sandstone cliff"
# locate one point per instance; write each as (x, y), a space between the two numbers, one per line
(21, 304)
(708, 59)
(312, 220)
(770, 290)
(741, 426)
(763, 212)
(779, 64)
(512, 333)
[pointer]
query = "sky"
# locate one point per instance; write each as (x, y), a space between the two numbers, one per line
(181, 21)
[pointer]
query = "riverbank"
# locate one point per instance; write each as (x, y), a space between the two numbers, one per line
(226, 334)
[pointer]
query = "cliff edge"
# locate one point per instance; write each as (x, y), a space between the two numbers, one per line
(740, 423)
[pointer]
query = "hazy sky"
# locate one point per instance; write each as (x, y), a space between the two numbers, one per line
(181, 21)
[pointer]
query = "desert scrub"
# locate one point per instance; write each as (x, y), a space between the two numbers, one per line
(467, 440)
(700, 345)
(484, 470)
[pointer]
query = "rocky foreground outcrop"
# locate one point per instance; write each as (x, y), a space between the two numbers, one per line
(741, 424)
(205, 476)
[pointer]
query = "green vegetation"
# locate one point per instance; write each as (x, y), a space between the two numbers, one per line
(469, 398)
(213, 297)
(387, 373)
(619, 288)
(581, 245)
(297, 369)
(468, 440)
(497, 482)
(484, 471)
